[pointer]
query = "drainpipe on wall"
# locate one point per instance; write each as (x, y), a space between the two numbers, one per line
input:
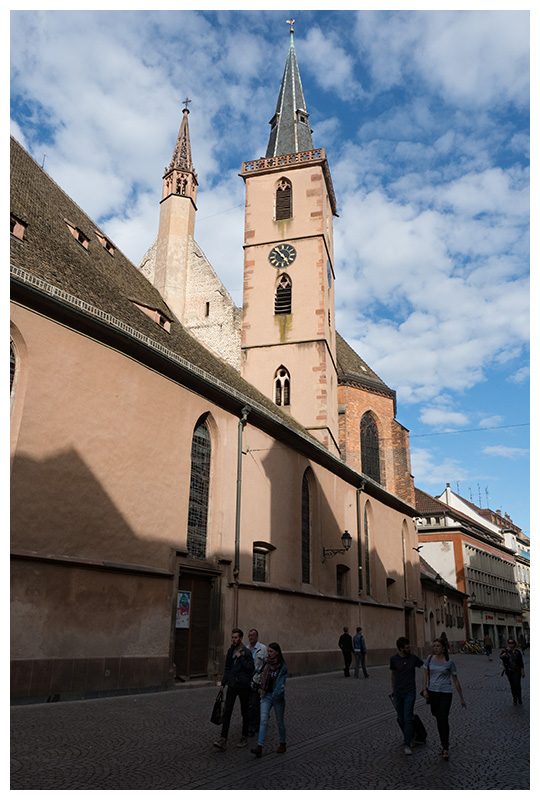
(241, 425)
(359, 538)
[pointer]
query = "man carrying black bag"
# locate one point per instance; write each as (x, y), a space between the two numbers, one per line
(239, 668)
(403, 695)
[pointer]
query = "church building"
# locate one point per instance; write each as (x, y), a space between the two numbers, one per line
(181, 466)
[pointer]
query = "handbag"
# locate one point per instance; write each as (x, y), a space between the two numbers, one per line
(217, 711)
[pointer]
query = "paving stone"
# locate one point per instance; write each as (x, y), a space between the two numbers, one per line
(341, 734)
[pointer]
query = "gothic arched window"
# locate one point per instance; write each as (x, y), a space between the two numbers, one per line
(198, 492)
(283, 296)
(282, 387)
(284, 199)
(369, 447)
(306, 530)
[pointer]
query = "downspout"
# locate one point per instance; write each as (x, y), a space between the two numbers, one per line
(359, 538)
(241, 425)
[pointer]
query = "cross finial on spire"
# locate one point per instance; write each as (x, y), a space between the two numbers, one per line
(186, 101)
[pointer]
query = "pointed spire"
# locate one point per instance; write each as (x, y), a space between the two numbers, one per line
(290, 132)
(181, 158)
(180, 177)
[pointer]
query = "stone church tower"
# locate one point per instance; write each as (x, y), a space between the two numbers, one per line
(179, 269)
(288, 331)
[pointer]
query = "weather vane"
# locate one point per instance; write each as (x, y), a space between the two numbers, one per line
(291, 23)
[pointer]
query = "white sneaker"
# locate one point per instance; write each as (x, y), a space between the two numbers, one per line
(243, 742)
(407, 750)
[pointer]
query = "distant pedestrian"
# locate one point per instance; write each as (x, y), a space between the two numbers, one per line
(403, 693)
(488, 646)
(439, 672)
(346, 646)
(360, 650)
(239, 668)
(259, 653)
(273, 678)
(514, 668)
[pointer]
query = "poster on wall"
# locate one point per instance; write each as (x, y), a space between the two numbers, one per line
(183, 609)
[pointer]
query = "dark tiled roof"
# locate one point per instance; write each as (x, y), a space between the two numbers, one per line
(110, 283)
(426, 504)
(352, 369)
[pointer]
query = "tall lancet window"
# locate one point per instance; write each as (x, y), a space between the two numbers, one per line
(306, 529)
(284, 199)
(198, 492)
(369, 447)
(282, 387)
(283, 296)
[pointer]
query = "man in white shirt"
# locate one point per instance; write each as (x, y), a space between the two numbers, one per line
(259, 653)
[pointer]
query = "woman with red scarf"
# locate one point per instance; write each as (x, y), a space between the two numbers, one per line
(273, 679)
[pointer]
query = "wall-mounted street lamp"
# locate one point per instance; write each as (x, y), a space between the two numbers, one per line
(346, 541)
(472, 599)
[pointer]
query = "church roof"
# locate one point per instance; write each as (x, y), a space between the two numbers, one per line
(353, 370)
(290, 132)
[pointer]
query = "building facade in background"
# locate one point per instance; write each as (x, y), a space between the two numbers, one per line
(474, 558)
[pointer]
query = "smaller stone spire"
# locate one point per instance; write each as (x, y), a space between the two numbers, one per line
(180, 177)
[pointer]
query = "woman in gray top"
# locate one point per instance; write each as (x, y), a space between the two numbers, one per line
(439, 673)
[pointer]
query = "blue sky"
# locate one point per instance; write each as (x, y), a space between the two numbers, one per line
(424, 116)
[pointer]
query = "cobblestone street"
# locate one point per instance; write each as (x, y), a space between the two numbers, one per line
(341, 734)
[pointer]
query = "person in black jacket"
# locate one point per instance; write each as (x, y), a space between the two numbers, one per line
(514, 668)
(345, 644)
(239, 668)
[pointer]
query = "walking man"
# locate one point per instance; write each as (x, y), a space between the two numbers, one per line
(259, 654)
(239, 668)
(403, 694)
(346, 646)
(360, 650)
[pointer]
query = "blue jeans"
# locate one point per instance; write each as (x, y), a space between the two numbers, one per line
(405, 710)
(360, 657)
(279, 707)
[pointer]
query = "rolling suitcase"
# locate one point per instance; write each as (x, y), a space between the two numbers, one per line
(420, 733)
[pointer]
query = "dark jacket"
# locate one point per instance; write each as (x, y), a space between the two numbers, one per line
(238, 670)
(345, 643)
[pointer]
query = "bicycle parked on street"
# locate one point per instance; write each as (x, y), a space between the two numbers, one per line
(473, 646)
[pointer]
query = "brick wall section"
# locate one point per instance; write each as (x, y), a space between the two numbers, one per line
(354, 402)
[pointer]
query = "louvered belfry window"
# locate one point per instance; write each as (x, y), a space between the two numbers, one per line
(306, 531)
(198, 492)
(283, 297)
(284, 200)
(369, 447)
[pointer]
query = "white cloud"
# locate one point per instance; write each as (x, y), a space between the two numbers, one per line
(331, 65)
(501, 451)
(443, 418)
(520, 376)
(426, 470)
(491, 422)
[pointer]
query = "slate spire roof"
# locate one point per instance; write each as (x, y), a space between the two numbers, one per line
(290, 132)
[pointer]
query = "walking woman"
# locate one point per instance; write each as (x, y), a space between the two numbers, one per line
(439, 672)
(273, 679)
(514, 669)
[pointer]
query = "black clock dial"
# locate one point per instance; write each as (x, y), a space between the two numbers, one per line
(282, 255)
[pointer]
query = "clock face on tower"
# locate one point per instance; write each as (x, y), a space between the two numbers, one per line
(282, 255)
